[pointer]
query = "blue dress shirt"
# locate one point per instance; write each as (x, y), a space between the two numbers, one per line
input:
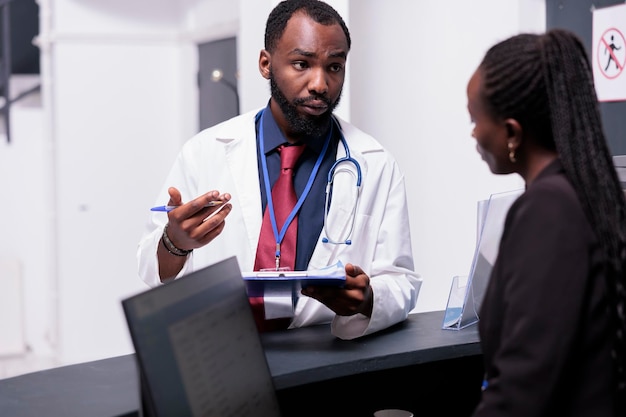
(311, 214)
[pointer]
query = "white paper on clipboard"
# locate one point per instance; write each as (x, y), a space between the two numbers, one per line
(280, 289)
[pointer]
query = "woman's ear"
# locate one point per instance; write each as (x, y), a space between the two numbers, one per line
(513, 131)
(265, 64)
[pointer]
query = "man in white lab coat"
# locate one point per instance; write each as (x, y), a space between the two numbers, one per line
(363, 222)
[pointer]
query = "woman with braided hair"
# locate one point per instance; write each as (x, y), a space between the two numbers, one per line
(552, 322)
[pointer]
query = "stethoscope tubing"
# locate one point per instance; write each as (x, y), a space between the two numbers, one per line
(334, 169)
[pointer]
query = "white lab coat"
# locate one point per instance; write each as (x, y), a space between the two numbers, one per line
(224, 158)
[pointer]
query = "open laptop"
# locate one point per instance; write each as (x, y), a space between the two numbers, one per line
(197, 347)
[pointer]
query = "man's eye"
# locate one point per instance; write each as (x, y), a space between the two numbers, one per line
(299, 65)
(336, 68)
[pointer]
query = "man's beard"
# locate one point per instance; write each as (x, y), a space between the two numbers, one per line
(300, 124)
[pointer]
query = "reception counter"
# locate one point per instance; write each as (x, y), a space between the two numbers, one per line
(414, 365)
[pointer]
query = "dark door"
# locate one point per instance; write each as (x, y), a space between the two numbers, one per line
(219, 99)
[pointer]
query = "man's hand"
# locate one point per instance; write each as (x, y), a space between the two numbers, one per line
(191, 226)
(355, 297)
(196, 223)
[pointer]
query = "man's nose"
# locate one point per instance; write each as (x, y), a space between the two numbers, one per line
(318, 82)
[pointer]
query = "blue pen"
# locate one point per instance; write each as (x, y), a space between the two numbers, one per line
(163, 208)
(170, 208)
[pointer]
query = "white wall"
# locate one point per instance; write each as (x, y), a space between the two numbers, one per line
(23, 220)
(409, 66)
(118, 89)
(119, 99)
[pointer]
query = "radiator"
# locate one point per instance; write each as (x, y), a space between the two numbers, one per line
(11, 308)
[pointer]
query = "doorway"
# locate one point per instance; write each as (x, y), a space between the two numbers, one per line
(218, 97)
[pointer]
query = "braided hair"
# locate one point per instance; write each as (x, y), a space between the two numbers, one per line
(545, 82)
(317, 10)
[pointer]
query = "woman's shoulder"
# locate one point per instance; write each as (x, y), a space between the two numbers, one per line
(552, 197)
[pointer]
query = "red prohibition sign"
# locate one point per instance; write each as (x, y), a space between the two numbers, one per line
(608, 53)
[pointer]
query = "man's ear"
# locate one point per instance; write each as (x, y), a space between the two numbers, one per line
(265, 64)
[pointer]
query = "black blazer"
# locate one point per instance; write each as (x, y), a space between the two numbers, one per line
(545, 321)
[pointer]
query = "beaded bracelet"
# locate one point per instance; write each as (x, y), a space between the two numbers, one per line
(171, 248)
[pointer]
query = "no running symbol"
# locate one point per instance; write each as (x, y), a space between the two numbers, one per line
(611, 53)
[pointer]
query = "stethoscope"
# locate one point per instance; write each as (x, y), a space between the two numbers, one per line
(336, 168)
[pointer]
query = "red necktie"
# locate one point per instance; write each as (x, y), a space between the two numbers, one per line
(284, 199)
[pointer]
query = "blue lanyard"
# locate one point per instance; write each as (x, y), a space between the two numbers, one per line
(268, 189)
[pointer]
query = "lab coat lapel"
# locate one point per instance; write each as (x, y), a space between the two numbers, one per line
(242, 163)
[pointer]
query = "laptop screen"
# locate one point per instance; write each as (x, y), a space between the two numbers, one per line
(198, 349)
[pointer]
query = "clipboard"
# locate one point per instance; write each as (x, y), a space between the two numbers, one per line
(260, 283)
